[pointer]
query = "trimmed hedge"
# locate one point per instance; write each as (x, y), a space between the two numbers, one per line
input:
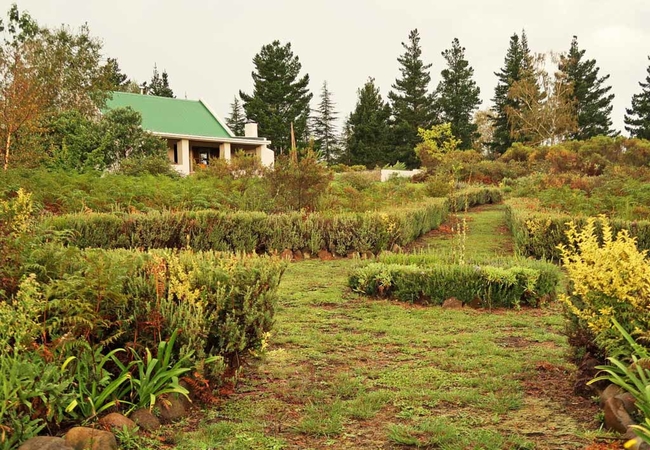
(429, 279)
(538, 232)
(257, 232)
(222, 303)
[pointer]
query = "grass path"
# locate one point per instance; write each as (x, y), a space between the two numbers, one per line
(348, 372)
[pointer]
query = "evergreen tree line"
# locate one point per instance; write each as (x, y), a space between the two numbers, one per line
(530, 105)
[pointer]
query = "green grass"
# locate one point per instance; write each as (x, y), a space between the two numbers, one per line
(345, 372)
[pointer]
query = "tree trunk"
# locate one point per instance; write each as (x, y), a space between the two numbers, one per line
(7, 145)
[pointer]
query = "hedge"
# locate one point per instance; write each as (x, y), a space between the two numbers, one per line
(538, 232)
(222, 303)
(257, 232)
(431, 280)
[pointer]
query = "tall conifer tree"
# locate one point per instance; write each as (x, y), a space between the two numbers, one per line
(159, 84)
(637, 118)
(518, 65)
(367, 129)
(324, 125)
(458, 95)
(236, 121)
(280, 96)
(412, 104)
(592, 99)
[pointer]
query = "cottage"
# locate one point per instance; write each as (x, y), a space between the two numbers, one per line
(195, 135)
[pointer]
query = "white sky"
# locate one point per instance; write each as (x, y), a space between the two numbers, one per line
(207, 46)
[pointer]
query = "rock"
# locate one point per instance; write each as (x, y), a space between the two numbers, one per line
(476, 303)
(45, 443)
(145, 419)
(354, 255)
(117, 422)
(586, 372)
(610, 391)
(396, 249)
(297, 255)
(287, 254)
(452, 303)
(368, 255)
(325, 255)
(629, 403)
(172, 408)
(83, 438)
(616, 417)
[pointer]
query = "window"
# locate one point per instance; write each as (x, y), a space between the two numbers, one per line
(175, 153)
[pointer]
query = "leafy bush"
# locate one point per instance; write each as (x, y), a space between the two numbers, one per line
(296, 183)
(609, 280)
(223, 304)
(538, 232)
(16, 223)
(430, 279)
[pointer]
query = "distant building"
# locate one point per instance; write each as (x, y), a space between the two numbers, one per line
(195, 135)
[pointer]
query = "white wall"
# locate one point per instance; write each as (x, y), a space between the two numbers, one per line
(387, 173)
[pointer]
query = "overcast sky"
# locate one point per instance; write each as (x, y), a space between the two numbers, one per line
(207, 46)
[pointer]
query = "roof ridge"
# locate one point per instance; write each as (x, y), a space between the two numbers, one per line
(157, 97)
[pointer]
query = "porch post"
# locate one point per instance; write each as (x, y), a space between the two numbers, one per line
(224, 151)
(185, 160)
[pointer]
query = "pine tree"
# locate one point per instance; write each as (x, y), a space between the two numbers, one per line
(592, 100)
(324, 125)
(637, 118)
(367, 129)
(279, 97)
(237, 120)
(159, 85)
(517, 66)
(458, 95)
(115, 79)
(411, 104)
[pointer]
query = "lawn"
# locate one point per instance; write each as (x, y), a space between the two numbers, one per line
(343, 371)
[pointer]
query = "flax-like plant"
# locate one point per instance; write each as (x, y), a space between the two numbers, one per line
(158, 376)
(633, 378)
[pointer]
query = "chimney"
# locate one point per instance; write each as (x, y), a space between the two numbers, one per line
(250, 130)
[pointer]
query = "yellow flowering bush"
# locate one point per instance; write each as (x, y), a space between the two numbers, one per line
(610, 278)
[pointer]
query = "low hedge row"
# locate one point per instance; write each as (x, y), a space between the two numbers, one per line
(260, 233)
(222, 303)
(431, 280)
(538, 232)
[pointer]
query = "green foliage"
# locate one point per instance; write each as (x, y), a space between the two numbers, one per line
(326, 138)
(411, 104)
(367, 136)
(637, 118)
(96, 388)
(16, 225)
(458, 95)
(155, 377)
(517, 66)
(538, 232)
(254, 231)
(159, 84)
(236, 121)
(296, 182)
(431, 280)
(593, 100)
(79, 143)
(436, 141)
(280, 98)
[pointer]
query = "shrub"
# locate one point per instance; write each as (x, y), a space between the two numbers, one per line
(297, 183)
(609, 280)
(429, 279)
(538, 232)
(223, 304)
(16, 224)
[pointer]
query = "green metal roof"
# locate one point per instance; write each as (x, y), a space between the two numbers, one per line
(171, 115)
